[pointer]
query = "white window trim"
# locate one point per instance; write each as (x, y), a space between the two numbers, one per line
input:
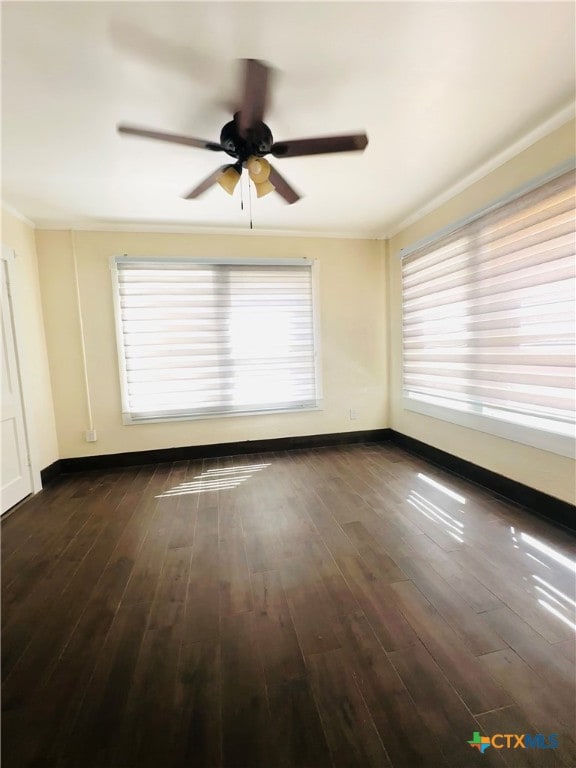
(561, 445)
(127, 419)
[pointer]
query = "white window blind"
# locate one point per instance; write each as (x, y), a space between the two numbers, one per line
(201, 338)
(489, 315)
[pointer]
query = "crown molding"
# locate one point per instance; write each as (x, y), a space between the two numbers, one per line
(557, 120)
(179, 229)
(17, 215)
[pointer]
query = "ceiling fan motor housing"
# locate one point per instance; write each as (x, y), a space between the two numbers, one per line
(257, 141)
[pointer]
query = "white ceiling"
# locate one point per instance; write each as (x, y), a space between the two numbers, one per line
(440, 88)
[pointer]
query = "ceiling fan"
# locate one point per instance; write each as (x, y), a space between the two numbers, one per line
(248, 139)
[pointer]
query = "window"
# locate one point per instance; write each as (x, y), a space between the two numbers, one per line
(201, 338)
(489, 320)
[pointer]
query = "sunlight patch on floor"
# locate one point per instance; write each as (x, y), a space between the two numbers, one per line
(224, 479)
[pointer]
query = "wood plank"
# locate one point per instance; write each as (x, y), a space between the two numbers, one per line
(328, 528)
(235, 585)
(245, 714)
(501, 580)
(376, 558)
(231, 502)
(475, 632)
(151, 535)
(145, 736)
(17, 529)
(341, 596)
(567, 649)
(198, 726)
(478, 597)
(55, 627)
(378, 603)
(202, 611)
(371, 499)
(54, 526)
(186, 513)
(310, 607)
(202, 600)
(421, 546)
(23, 622)
(74, 668)
(264, 547)
(436, 529)
(96, 728)
(280, 652)
(440, 707)
(86, 634)
(528, 687)
(340, 500)
(541, 656)
(170, 598)
(297, 733)
(290, 472)
(145, 575)
(407, 740)
(350, 731)
(460, 666)
(297, 531)
(538, 703)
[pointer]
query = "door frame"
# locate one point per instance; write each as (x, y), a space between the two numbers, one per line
(8, 257)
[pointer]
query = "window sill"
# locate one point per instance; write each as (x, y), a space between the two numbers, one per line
(518, 433)
(128, 420)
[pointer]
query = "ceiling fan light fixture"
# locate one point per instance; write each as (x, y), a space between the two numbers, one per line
(258, 169)
(264, 188)
(229, 179)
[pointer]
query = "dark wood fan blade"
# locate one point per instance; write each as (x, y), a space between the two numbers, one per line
(174, 138)
(355, 142)
(207, 183)
(282, 187)
(254, 96)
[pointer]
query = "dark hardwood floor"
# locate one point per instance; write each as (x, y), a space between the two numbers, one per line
(330, 608)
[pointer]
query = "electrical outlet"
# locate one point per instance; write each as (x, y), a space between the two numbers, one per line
(90, 436)
(353, 414)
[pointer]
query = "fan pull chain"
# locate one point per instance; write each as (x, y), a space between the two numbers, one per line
(250, 203)
(241, 195)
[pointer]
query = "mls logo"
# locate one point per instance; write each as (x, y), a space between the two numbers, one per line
(513, 741)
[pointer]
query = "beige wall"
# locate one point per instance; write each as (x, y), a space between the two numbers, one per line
(33, 358)
(539, 469)
(354, 354)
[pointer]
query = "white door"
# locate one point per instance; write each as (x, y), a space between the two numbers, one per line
(16, 481)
